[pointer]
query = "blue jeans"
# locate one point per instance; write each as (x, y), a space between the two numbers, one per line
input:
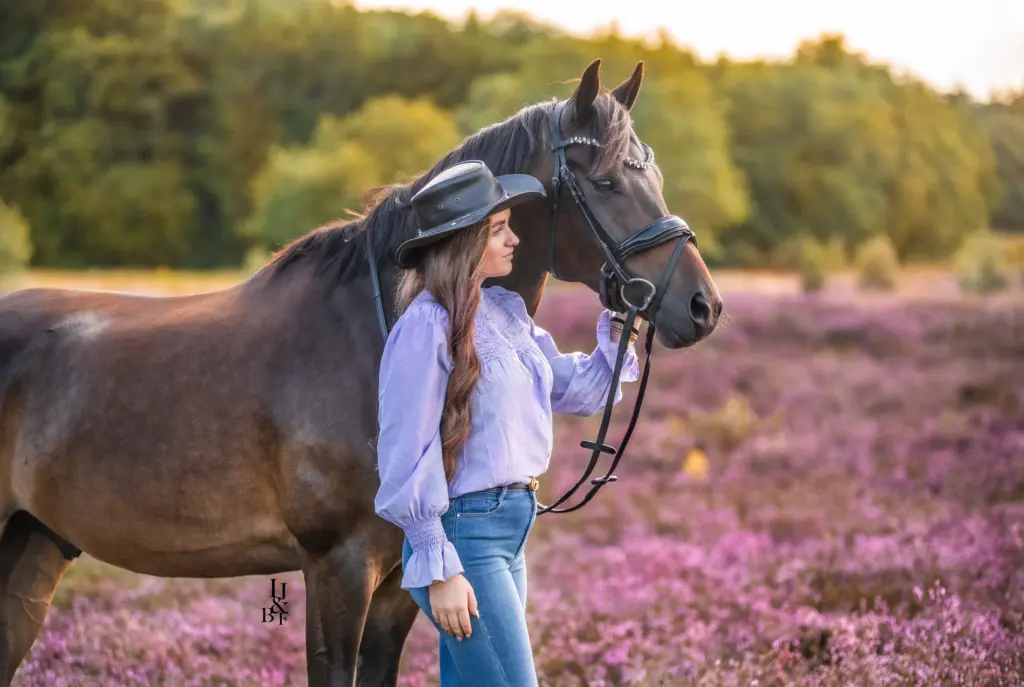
(489, 530)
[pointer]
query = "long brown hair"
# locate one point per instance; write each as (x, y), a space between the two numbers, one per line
(448, 270)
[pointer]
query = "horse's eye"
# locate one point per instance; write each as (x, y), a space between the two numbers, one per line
(603, 184)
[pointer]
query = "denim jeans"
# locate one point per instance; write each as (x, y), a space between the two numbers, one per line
(489, 530)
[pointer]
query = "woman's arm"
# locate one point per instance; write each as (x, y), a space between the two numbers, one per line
(413, 492)
(580, 380)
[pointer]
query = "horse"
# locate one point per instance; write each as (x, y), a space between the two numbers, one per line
(232, 432)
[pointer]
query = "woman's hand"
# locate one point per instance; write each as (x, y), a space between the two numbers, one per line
(451, 602)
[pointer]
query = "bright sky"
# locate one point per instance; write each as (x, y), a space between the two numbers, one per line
(978, 44)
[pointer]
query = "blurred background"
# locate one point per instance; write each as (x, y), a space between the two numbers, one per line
(193, 135)
(830, 490)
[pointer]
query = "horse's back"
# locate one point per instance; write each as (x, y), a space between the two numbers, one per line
(30, 318)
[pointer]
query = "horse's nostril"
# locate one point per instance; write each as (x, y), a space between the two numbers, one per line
(718, 308)
(700, 311)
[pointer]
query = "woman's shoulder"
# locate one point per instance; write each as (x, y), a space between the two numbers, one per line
(421, 329)
(423, 310)
(424, 319)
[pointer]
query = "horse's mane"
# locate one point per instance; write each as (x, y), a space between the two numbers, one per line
(505, 147)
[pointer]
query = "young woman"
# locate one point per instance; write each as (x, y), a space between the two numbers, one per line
(468, 383)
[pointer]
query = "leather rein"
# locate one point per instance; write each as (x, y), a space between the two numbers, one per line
(614, 286)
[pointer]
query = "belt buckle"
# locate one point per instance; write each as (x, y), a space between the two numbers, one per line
(534, 484)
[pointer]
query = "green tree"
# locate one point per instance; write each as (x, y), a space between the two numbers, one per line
(877, 265)
(833, 146)
(406, 136)
(102, 106)
(1003, 123)
(15, 247)
(492, 99)
(980, 263)
(815, 146)
(421, 55)
(681, 119)
(386, 141)
(541, 73)
(169, 131)
(944, 183)
(815, 261)
(302, 188)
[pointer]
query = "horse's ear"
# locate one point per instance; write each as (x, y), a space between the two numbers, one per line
(586, 93)
(627, 91)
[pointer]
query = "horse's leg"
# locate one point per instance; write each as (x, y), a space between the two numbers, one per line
(343, 579)
(392, 614)
(318, 666)
(31, 565)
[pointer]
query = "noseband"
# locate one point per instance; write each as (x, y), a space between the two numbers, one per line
(615, 283)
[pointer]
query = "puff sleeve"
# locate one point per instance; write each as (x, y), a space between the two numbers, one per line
(413, 490)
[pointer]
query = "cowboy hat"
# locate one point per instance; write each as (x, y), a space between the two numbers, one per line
(460, 197)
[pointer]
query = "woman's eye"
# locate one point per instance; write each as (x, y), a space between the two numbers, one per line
(603, 184)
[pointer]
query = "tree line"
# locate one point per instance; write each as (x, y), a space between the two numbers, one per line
(187, 133)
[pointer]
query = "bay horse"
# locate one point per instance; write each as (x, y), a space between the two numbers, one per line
(232, 433)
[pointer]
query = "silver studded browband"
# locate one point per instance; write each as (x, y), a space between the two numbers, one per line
(628, 161)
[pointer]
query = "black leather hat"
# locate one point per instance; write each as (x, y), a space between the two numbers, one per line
(460, 197)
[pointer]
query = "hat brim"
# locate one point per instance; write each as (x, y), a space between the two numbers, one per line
(519, 188)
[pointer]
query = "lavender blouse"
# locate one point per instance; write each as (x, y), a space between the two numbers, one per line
(523, 379)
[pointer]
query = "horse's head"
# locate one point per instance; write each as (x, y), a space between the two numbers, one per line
(608, 190)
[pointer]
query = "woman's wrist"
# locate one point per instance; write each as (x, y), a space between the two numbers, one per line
(617, 323)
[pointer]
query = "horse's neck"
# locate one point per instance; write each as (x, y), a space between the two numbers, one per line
(530, 274)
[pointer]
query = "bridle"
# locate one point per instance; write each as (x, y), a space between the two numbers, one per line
(614, 284)
(614, 278)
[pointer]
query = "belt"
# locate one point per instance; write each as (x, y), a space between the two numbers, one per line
(532, 485)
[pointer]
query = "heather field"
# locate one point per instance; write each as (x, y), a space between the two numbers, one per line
(829, 491)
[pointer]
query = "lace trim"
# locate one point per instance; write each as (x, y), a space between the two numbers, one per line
(500, 333)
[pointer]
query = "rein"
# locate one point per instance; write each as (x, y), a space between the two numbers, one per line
(615, 281)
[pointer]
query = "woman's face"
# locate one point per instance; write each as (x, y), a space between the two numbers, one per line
(501, 241)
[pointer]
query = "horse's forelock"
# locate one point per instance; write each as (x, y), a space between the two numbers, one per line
(613, 126)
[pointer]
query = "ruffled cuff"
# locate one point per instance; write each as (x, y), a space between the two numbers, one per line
(433, 557)
(610, 349)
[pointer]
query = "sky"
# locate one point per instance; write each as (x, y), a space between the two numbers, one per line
(978, 44)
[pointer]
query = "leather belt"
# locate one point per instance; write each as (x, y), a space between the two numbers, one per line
(532, 485)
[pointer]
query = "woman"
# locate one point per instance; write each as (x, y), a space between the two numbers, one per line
(468, 383)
